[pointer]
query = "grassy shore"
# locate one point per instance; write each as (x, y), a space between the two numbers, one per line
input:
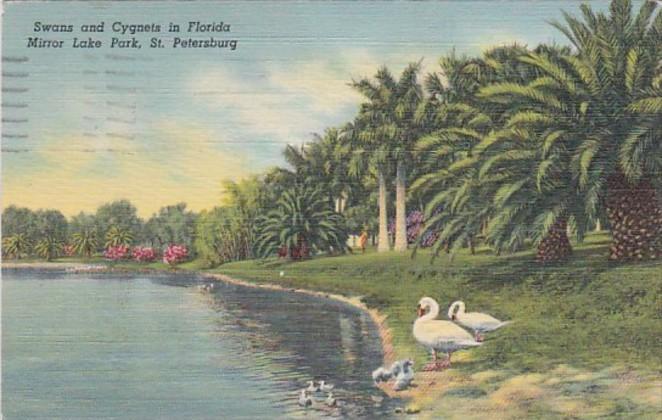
(585, 341)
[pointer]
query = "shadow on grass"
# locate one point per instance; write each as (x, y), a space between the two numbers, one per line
(517, 269)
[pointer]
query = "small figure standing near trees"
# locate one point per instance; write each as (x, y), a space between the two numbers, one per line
(363, 240)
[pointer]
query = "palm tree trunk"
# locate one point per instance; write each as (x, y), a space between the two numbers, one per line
(555, 246)
(400, 208)
(382, 245)
(635, 218)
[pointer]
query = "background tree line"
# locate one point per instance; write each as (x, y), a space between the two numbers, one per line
(516, 147)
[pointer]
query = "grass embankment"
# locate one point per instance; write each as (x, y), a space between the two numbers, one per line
(585, 341)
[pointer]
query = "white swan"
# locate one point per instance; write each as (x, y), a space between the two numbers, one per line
(305, 400)
(479, 322)
(405, 376)
(312, 387)
(330, 400)
(381, 374)
(207, 287)
(437, 335)
(324, 387)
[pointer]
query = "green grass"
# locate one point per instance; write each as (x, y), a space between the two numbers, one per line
(584, 312)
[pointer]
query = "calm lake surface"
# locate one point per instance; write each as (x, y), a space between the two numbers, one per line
(149, 346)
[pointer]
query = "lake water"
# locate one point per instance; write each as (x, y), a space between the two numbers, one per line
(149, 346)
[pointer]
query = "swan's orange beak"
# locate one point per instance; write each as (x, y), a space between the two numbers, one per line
(420, 311)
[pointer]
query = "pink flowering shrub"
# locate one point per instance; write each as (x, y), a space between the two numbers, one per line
(68, 250)
(116, 253)
(175, 254)
(144, 254)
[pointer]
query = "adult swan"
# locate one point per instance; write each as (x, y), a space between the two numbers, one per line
(437, 335)
(479, 322)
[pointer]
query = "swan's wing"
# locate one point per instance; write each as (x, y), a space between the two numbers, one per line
(479, 321)
(431, 330)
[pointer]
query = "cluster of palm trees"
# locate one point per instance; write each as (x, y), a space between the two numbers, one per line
(84, 243)
(516, 145)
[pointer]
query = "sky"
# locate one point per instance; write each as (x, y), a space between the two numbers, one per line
(161, 126)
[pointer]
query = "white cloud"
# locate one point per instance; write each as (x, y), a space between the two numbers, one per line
(262, 110)
(291, 101)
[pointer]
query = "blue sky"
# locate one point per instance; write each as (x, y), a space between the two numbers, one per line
(158, 126)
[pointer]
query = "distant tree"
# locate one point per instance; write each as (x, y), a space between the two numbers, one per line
(172, 224)
(209, 241)
(15, 245)
(362, 217)
(121, 214)
(19, 220)
(85, 242)
(51, 224)
(48, 247)
(82, 221)
(118, 236)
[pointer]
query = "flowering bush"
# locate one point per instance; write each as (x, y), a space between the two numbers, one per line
(69, 250)
(415, 222)
(144, 254)
(429, 238)
(116, 253)
(175, 254)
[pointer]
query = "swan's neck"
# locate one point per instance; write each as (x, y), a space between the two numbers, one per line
(457, 305)
(432, 314)
(460, 308)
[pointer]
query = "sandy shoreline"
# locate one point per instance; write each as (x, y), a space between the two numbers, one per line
(47, 265)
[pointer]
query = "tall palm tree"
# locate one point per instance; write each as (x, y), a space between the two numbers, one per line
(85, 242)
(388, 132)
(604, 109)
(324, 162)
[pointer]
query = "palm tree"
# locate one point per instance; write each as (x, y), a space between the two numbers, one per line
(458, 191)
(85, 242)
(48, 247)
(324, 161)
(117, 236)
(604, 109)
(15, 245)
(388, 131)
(532, 198)
(303, 221)
(371, 158)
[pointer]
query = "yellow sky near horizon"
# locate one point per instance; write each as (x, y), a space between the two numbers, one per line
(187, 167)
